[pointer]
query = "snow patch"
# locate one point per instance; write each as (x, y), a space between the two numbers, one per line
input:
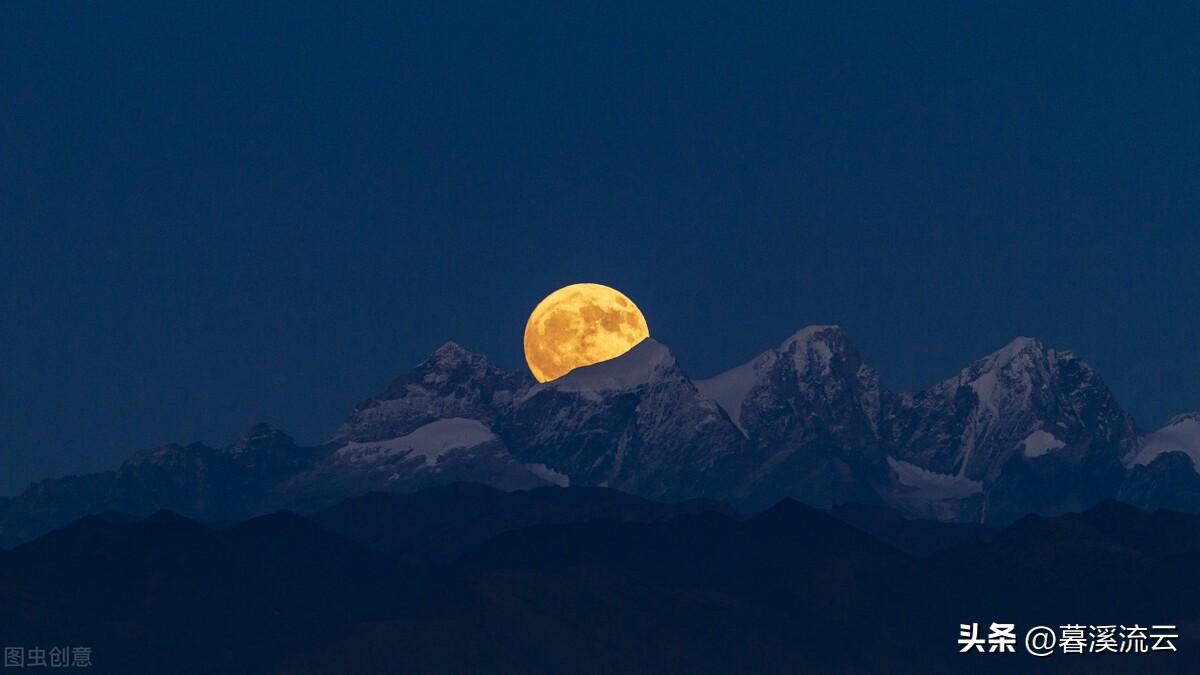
(1182, 434)
(429, 442)
(549, 475)
(810, 348)
(932, 485)
(1040, 442)
(730, 388)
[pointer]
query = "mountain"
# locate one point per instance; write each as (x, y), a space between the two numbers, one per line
(790, 589)
(636, 423)
(1024, 430)
(440, 414)
(1027, 429)
(452, 383)
(209, 483)
(441, 523)
(1164, 471)
(802, 587)
(813, 414)
(1108, 562)
(442, 451)
(915, 536)
(167, 594)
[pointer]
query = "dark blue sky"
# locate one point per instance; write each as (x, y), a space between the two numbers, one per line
(214, 214)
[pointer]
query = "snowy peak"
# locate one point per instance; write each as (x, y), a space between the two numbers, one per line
(817, 350)
(1020, 347)
(647, 361)
(808, 408)
(817, 333)
(1006, 381)
(446, 366)
(452, 382)
(816, 366)
(1024, 400)
(1013, 367)
(453, 355)
(1184, 418)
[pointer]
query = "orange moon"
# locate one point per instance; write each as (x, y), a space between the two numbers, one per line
(579, 325)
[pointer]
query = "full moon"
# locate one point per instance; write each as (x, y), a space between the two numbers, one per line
(579, 325)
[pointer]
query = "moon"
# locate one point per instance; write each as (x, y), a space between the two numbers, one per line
(579, 325)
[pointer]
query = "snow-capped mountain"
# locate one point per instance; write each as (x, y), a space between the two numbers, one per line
(1023, 429)
(443, 451)
(432, 425)
(636, 422)
(811, 411)
(1026, 429)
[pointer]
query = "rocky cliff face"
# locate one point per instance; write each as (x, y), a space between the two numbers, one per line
(814, 416)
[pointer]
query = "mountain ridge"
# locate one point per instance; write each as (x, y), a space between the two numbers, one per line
(658, 591)
(1025, 429)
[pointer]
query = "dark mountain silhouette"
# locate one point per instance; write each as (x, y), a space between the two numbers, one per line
(440, 523)
(784, 591)
(619, 586)
(1113, 562)
(912, 535)
(167, 594)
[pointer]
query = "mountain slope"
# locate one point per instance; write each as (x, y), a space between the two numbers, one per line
(635, 423)
(812, 412)
(788, 590)
(1036, 430)
(1164, 472)
(209, 483)
(441, 523)
(167, 594)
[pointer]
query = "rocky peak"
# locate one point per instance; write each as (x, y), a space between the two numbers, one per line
(635, 422)
(815, 373)
(812, 408)
(1022, 399)
(1016, 367)
(452, 382)
(261, 435)
(451, 355)
(171, 455)
(819, 341)
(448, 367)
(1183, 418)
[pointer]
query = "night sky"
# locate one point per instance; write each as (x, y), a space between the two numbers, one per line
(214, 214)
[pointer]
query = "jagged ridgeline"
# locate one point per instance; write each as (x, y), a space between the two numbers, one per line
(1027, 429)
